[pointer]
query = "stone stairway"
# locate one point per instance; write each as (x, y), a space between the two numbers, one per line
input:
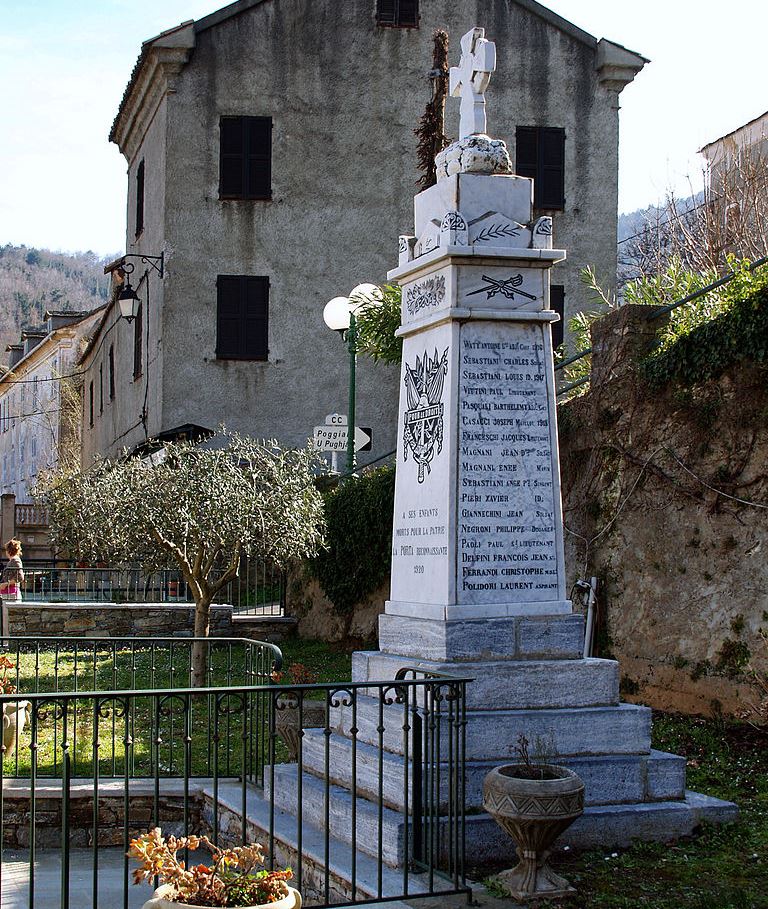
(562, 702)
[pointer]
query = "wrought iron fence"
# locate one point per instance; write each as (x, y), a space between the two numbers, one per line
(259, 589)
(372, 806)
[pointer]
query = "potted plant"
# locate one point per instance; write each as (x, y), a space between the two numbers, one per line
(235, 876)
(287, 712)
(534, 803)
(15, 713)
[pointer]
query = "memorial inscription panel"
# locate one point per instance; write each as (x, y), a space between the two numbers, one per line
(507, 506)
(422, 569)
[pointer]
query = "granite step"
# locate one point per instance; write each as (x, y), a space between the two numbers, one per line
(509, 684)
(352, 874)
(493, 734)
(609, 779)
(607, 826)
(600, 825)
(376, 831)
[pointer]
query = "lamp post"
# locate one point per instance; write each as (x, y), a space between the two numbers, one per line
(339, 315)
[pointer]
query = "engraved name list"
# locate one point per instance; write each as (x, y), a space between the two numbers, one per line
(506, 535)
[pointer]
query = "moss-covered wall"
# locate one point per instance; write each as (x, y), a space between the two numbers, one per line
(652, 478)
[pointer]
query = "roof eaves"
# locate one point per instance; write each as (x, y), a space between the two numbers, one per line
(136, 72)
(562, 24)
(743, 126)
(227, 12)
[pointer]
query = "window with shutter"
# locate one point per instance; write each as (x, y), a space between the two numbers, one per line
(242, 322)
(540, 154)
(140, 199)
(111, 372)
(138, 339)
(398, 13)
(557, 304)
(245, 158)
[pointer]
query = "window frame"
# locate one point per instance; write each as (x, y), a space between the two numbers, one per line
(140, 177)
(111, 372)
(396, 17)
(246, 194)
(540, 166)
(558, 328)
(224, 353)
(138, 343)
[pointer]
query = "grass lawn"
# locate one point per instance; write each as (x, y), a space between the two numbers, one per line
(144, 720)
(722, 867)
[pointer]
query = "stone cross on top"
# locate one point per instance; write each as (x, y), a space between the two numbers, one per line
(470, 80)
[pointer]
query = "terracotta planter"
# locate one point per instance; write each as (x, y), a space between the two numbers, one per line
(534, 813)
(287, 723)
(159, 901)
(15, 717)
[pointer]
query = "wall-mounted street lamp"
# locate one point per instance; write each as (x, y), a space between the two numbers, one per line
(339, 315)
(128, 300)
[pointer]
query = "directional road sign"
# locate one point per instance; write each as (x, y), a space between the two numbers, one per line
(333, 435)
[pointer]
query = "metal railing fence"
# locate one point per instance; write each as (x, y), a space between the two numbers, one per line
(63, 666)
(378, 786)
(259, 589)
(654, 314)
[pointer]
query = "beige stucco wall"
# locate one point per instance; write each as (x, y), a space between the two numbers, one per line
(120, 426)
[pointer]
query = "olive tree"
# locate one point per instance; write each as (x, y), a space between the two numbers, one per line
(200, 508)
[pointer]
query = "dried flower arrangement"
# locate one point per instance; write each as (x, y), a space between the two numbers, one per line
(6, 685)
(232, 879)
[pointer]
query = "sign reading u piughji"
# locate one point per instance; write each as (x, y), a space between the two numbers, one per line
(333, 435)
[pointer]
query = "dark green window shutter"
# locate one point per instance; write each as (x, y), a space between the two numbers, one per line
(140, 199)
(541, 155)
(242, 327)
(386, 12)
(245, 157)
(526, 155)
(402, 13)
(138, 341)
(551, 190)
(557, 304)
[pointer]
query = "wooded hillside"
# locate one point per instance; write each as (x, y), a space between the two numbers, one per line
(34, 280)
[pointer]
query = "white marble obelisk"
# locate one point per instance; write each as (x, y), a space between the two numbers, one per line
(478, 521)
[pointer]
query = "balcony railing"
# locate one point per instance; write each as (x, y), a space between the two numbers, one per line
(371, 808)
(30, 515)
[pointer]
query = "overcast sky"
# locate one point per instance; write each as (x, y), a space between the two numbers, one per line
(64, 65)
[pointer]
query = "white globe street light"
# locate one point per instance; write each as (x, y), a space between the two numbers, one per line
(339, 315)
(336, 314)
(365, 295)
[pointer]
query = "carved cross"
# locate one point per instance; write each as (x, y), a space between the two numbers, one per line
(470, 80)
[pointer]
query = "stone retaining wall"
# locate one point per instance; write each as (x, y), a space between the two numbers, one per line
(80, 833)
(111, 619)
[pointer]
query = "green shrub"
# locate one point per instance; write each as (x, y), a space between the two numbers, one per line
(709, 335)
(358, 556)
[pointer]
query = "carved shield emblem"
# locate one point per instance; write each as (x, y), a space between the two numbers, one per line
(423, 425)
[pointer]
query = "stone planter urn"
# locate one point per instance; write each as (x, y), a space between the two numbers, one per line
(159, 901)
(287, 723)
(15, 717)
(534, 812)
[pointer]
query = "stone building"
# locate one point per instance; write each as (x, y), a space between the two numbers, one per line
(722, 155)
(38, 408)
(271, 159)
(737, 189)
